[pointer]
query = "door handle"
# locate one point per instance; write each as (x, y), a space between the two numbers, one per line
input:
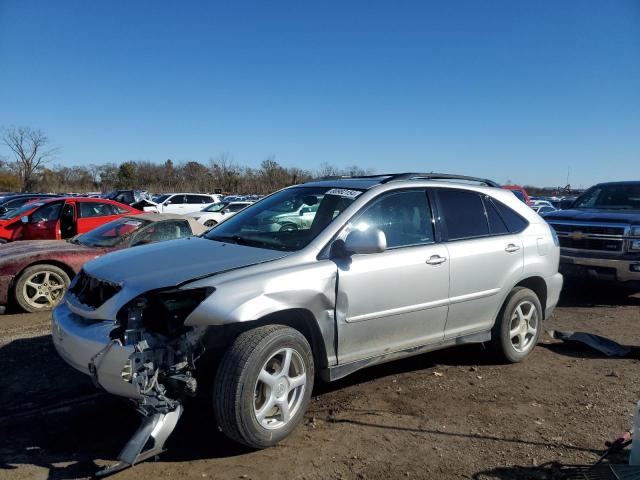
(436, 260)
(512, 247)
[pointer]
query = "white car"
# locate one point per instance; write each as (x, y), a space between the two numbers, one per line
(180, 203)
(217, 213)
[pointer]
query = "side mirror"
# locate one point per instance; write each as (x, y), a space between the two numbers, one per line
(168, 202)
(304, 210)
(24, 219)
(371, 240)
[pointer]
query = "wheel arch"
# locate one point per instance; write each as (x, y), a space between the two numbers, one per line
(539, 287)
(302, 320)
(66, 268)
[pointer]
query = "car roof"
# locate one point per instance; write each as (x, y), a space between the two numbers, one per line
(366, 182)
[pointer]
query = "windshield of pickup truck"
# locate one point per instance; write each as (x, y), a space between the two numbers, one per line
(287, 220)
(611, 197)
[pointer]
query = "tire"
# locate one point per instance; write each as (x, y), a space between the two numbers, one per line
(49, 281)
(518, 326)
(3, 241)
(240, 397)
(210, 223)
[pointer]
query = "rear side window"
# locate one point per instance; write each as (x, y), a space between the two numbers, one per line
(515, 223)
(463, 213)
(117, 210)
(95, 209)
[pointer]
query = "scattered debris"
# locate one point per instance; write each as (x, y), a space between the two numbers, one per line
(596, 342)
(438, 374)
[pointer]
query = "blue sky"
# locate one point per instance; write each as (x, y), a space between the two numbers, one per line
(503, 89)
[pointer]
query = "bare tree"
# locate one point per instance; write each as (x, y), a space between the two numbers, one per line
(31, 152)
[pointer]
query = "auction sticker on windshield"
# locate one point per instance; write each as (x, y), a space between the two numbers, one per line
(342, 192)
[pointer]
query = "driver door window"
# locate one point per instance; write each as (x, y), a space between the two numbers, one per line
(396, 295)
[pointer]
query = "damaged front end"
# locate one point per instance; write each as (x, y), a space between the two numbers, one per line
(147, 355)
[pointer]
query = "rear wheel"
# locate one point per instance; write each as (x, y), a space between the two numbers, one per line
(40, 287)
(518, 326)
(263, 385)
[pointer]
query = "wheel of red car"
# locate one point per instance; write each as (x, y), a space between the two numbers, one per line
(40, 287)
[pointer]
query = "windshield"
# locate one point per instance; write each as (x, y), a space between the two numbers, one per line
(26, 208)
(288, 220)
(216, 207)
(611, 197)
(110, 234)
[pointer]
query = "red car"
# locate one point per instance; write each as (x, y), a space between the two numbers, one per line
(36, 273)
(59, 218)
(519, 192)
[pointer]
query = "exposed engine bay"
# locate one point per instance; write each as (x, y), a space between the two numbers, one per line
(160, 370)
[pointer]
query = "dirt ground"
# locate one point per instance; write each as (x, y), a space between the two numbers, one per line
(448, 414)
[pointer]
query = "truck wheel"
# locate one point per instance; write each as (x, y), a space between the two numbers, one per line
(40, 287)
(518, 326)
(263, 385)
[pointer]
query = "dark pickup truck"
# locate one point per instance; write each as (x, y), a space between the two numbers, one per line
(600, 234)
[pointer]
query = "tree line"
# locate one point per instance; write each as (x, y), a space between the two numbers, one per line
(31, 167)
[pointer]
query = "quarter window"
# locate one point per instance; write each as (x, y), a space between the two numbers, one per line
(515, 223)
(496, 224)
(463, 213)
(404, 217)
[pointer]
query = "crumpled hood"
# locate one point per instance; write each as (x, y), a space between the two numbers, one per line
(171, 263)
(595, 215)
(34, 247)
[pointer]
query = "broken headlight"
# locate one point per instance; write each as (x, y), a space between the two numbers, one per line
(162, 311)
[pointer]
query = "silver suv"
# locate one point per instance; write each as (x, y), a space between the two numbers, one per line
(390, 266)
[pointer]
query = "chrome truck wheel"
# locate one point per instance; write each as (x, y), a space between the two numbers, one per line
(518, 326)
(40, 287)
(263, 385)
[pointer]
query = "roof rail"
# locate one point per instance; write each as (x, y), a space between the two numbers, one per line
(438, 176)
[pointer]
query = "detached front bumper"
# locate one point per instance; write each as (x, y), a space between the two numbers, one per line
(606, 269)
(86, 346)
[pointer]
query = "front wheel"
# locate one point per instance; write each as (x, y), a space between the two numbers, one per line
(263, 385)
(40, 287)
(210, 223)
(518, 326)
